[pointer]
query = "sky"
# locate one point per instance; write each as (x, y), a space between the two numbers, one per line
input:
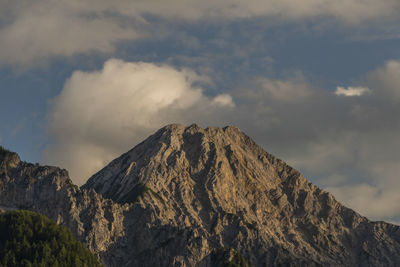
(314, 82)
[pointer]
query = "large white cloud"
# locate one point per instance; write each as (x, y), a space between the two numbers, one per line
(33, 31)
(101, 114)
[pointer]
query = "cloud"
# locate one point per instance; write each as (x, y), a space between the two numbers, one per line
(386, 80)
(369, 200)
(351, 91)
(294, 89)
(224, 100)
(350, 11)
(101, 114)
(35, 31)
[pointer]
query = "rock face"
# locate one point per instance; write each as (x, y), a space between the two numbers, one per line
(188, 196)
(96, 221)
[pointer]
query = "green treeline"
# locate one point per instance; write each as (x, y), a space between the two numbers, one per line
(30, 239)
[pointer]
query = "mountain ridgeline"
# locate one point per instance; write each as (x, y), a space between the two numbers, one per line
(188, 196)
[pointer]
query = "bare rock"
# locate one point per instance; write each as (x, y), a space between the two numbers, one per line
(188, 196)
(194, 191)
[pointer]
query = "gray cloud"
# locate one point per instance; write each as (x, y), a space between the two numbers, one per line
(350, 11)
(34, 31)
(38, 30)
(370, 200)
(386, 81)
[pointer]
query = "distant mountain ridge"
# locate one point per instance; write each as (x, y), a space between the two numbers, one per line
(188, 196)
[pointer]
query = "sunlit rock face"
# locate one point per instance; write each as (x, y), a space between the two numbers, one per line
(186, 194)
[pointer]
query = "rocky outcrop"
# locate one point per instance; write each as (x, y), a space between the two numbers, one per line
(96, 221)
(188, 196)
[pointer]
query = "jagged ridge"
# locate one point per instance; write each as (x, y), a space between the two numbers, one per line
(95, 221)
(186, 193)
(231, 193)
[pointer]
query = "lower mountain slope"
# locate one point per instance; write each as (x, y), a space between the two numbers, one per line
(31, 239)
(95, 221)
(188, 196)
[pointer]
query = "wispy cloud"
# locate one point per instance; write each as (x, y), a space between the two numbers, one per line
(351, 91)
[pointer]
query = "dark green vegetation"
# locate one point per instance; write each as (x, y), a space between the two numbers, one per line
(139, 191)
(237, 261)
(30, 239)
(229, 257)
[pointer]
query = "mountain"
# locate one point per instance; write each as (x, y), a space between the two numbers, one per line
(188, 196)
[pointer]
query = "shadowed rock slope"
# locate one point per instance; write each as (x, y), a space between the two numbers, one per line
(188, 196)
(95, 221)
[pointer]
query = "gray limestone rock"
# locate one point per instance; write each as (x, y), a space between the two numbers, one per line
(186, 194)
(96, 221)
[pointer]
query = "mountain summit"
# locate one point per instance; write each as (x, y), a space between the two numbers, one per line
(203, 190)
(188, 196)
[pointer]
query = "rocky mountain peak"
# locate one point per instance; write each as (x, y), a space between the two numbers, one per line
(179, 151)
(188, 196)
(231, 193)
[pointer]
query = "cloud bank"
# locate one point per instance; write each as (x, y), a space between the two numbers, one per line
(101, 114)
(34, 31)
